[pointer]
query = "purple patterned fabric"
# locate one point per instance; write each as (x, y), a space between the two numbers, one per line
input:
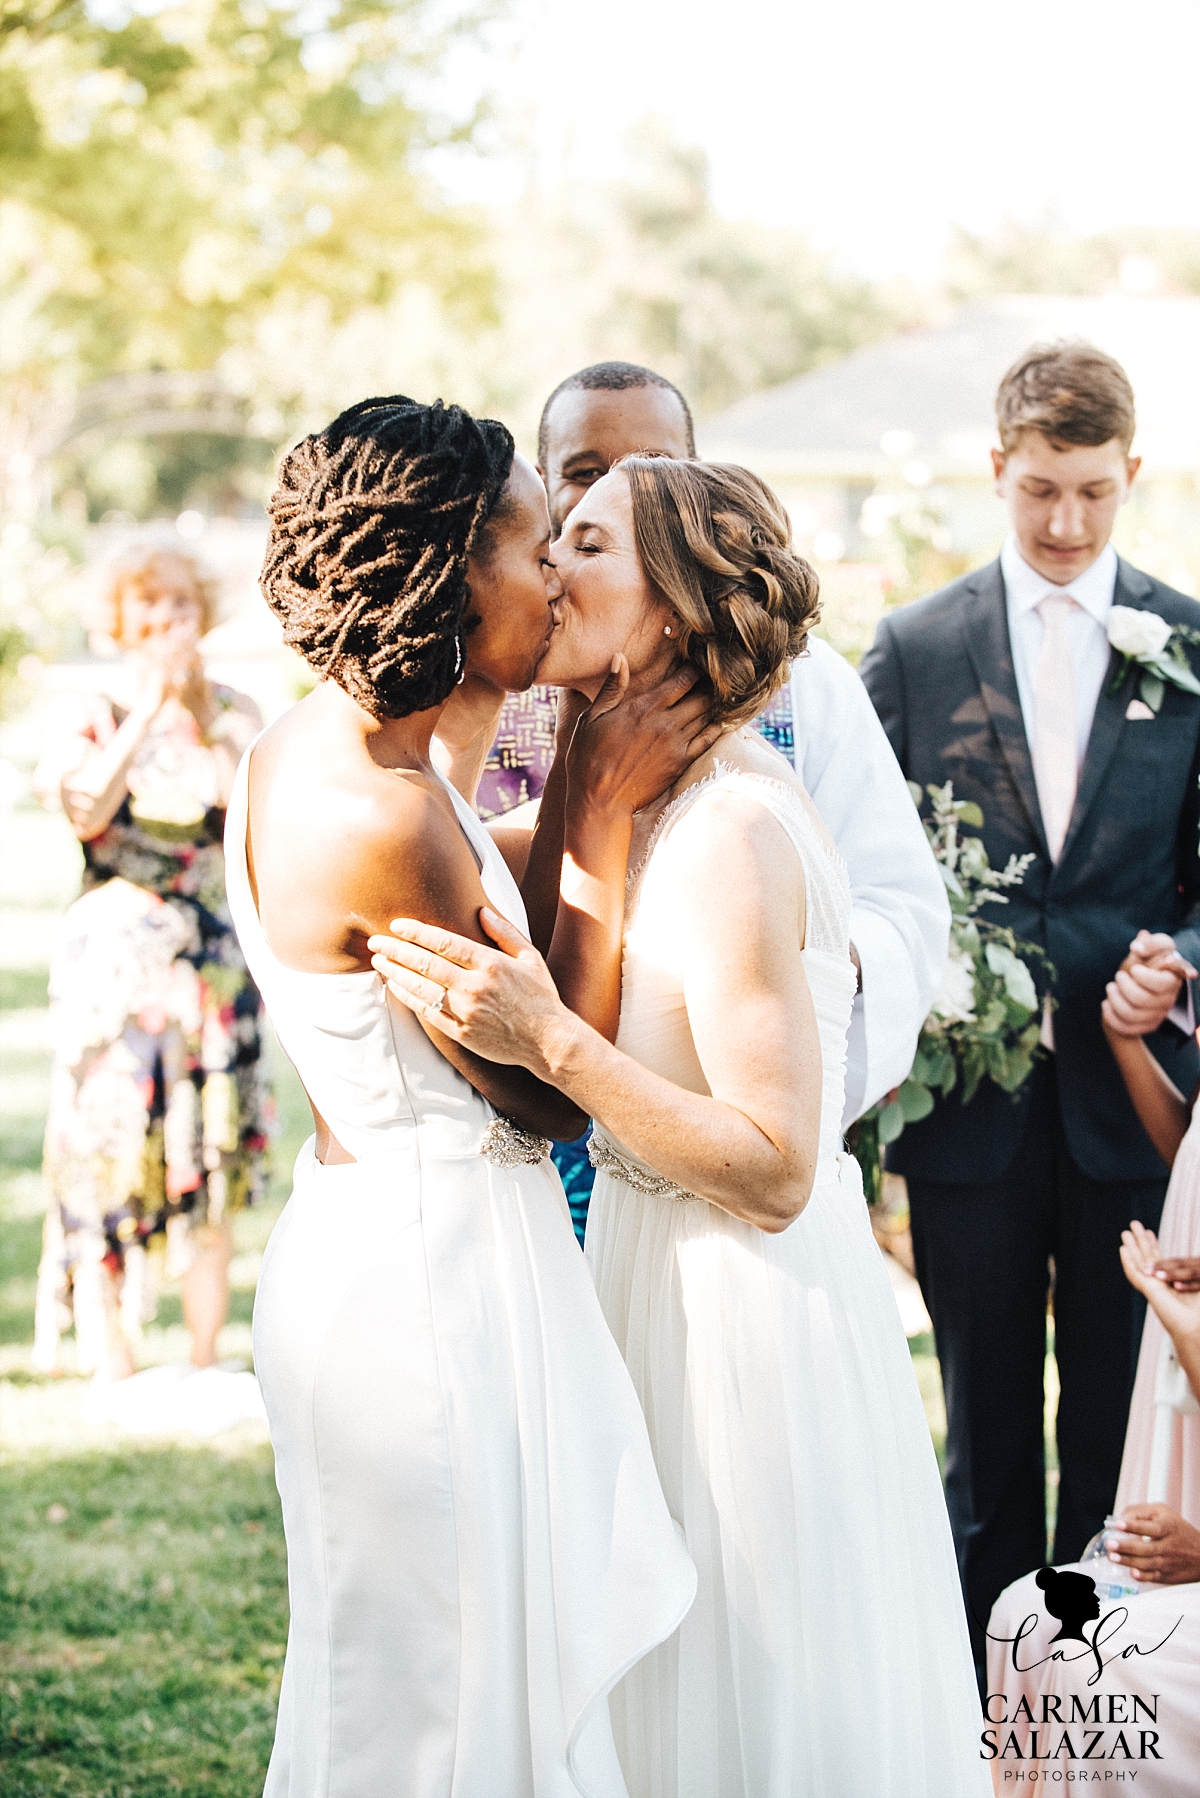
(520, 758)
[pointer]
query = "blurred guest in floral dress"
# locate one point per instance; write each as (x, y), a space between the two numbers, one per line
(156, 1126)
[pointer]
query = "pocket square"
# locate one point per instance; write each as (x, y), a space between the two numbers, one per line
(1137, 708)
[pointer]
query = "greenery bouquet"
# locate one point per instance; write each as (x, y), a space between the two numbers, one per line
(986, 1020)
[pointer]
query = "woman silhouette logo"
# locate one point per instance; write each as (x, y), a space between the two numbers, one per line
(1071, 1597)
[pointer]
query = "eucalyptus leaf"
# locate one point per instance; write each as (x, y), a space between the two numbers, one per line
(1181, 676)
(988, 1027)
(973, 1071)
(915, 1101)
(891, 1122)
(1151, 688)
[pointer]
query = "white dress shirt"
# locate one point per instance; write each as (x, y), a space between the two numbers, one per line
(1087, 631)
(900, 916)
(1091, 652)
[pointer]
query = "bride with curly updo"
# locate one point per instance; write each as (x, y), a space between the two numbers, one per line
(478, 1546)
(696, 1001)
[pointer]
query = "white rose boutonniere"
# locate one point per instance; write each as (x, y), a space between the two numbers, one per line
(1157, 648)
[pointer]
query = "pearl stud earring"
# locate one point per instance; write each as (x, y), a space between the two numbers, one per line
(666, 630)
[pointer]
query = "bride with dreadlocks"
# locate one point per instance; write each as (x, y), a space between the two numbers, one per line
(478, 1545)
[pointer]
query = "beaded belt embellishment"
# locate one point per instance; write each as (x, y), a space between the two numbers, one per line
(603, 1154)
(505, 1144)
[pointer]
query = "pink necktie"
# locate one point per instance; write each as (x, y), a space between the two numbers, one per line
(1055, 740)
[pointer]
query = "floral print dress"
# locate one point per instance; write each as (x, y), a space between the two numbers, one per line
(158, 1107)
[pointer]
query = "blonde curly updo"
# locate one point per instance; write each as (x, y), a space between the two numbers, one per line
(717, 545)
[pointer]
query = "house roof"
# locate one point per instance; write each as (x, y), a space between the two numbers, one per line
(932, 391)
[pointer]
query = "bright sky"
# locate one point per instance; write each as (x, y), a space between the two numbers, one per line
(872, 124)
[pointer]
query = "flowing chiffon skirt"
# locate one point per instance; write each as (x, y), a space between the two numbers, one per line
(826, 1655)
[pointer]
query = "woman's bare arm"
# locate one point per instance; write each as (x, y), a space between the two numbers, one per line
(748, 1145)
(541, 874)
(1161, 1107)
(94, 789)
(442, 880)
(329, 865)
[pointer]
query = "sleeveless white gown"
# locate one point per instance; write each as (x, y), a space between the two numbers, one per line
(826, 1655)
(478, 1546)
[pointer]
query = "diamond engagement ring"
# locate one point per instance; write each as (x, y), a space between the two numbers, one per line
(441, 1004)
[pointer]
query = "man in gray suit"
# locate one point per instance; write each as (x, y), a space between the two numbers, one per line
(1005, 683)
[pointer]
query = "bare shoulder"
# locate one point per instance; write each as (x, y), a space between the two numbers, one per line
(730, 858)
(342, 845)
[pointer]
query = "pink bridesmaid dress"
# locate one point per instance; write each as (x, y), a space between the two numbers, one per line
(1145, 1703)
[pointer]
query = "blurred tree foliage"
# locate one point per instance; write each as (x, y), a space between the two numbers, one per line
(131, 477)
(642, 266)
(1044, 256)
(725, 308)
(168, 180)
(168, 177)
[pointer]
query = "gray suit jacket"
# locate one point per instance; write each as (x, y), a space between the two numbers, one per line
(941, 676)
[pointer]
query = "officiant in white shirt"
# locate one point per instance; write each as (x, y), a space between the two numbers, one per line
(498, 750)
(900, 917)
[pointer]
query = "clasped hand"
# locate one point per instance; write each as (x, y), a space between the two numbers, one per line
(1168, 1286)
(1145, 989)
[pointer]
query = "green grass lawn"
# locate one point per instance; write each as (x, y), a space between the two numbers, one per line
(143, 1618)
(143, 1585)
(143, 1588)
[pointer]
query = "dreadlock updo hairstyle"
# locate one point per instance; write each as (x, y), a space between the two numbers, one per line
(717, 545)
(371, 526)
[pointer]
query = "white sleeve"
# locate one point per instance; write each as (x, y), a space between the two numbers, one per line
(900, 916)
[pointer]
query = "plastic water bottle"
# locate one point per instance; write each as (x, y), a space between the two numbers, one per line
(1114, 1582)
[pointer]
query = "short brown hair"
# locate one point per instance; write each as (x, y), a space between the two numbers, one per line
(1070, 392)
(716, 543)
(130, 570)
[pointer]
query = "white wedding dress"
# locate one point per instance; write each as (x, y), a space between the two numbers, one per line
(478, 1546)
(826, 1655)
